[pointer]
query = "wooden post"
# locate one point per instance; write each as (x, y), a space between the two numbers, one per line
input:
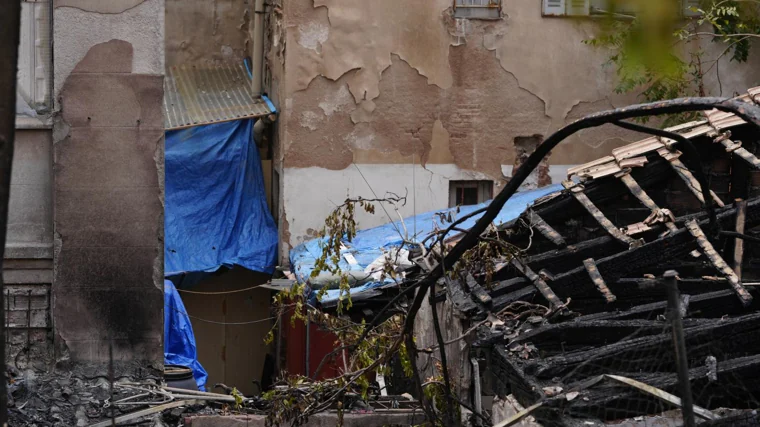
(10, 28)
(741, 215)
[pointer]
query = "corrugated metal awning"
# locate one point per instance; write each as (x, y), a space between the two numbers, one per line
(204, 94)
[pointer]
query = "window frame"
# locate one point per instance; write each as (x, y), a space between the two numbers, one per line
(484, 187)
(488, 10)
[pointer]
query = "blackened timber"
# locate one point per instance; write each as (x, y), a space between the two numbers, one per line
(593, 272)
(643, 197)
(741, 215)
(734, 336)
(686, 176)
(610, 401)
(577, 191)
(637, 261)
(736, 148)
(717, 261)
(538, 282)
(545, 229)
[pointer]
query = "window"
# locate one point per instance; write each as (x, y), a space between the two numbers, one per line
(34, 59)
(462, 193)
(602, 7)
(477, 9)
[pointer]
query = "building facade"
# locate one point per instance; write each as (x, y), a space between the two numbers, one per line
(426, 101)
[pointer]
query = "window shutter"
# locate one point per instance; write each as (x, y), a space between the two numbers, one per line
(578, 7)
(554, 8)
(33, 76)
(687, 8)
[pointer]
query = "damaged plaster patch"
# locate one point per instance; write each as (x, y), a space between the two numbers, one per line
(98, 6)
(336, 101)
(576, 74)
(358, 38)
(363, 113)
(140, 26)
(310, 120)
(312, 35)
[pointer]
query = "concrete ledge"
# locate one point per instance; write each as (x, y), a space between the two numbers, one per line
(29, 251)
(42, 122)
(325, 419)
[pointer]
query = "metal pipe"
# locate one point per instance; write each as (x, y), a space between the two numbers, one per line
(682, 362)
(257, 59)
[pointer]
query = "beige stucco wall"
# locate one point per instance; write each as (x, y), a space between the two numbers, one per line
(381, 84)
(207, 30)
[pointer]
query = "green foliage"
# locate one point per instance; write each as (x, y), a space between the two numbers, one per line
(484, 256)
(653, 54)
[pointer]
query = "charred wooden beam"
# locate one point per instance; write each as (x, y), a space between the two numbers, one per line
(736, 148)
(545, 229)
(644, 198)
(686, 175)
(593, 272)
(741, 216)
(736, 388)
(637, 261)
(538, 282)
(717, 261)
(735, 336)
(577, 191)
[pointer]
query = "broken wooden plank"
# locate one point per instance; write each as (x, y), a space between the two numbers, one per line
(577, 191)
(644, 198)
(596, 277)
(718, 262)
(545, 229)
(741, 216)
(686, 175)
(538, 282)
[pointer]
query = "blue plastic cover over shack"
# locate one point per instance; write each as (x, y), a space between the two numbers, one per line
(216, 211)
(370, 244)
(179, 340)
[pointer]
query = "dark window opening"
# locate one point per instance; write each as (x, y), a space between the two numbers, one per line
(463, 193)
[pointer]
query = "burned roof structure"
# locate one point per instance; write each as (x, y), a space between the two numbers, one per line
(570, 296)
(592, 266)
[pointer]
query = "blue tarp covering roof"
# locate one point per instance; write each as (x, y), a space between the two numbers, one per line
(368, 245)
(179, 341)
(216, 210)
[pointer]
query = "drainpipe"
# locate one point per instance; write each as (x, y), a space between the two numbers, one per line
(258, 47)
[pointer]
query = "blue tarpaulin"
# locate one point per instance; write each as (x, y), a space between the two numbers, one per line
(179, 341)
(216, 212)
(368, 245)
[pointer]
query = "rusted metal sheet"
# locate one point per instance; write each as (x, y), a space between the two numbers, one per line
(577, 192)
(596, 277)
(545, 229)
(644, 198)
(538, 282)
(206, 94)
(718, 262)
(686, 175)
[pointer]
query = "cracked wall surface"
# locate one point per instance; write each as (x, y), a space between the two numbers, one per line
(207, 30)
(387, 86)
(108, 216)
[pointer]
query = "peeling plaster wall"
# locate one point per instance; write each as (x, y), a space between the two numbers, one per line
(201, 30)
(85, 23)
(108, 184)
(384, 85)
